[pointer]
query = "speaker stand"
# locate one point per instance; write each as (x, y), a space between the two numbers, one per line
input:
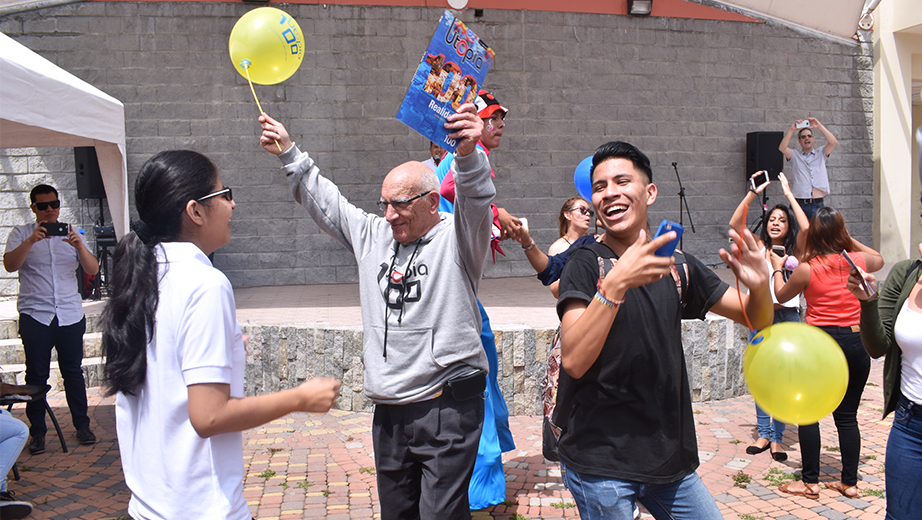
(757, 225)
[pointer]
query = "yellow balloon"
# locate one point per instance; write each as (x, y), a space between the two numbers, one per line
(796, 372)
(268, 44)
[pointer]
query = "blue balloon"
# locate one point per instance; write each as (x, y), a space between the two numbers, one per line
(582, 180)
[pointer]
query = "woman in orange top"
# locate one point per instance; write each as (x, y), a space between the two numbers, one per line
(822, 276)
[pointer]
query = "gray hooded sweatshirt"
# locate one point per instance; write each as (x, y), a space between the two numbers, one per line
(419, 302)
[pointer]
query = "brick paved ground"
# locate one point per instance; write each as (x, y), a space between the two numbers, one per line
(323, 465)
(320, 466)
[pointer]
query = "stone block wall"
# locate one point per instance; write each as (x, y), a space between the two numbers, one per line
(685, 91)
(280, 357)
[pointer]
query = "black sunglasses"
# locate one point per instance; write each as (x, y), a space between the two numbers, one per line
(584, 211)
(226, 192)
(399, 205)
(42, 206)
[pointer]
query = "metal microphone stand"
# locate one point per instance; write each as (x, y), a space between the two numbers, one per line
(683, 203)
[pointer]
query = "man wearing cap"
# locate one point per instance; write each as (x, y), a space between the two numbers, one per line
(419, 272)
(50, 309)
(809, 180)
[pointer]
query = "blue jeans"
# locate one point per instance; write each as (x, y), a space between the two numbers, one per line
(13, 436)
(904, 462)
(606, 498)
(810, 209)
(773, 429)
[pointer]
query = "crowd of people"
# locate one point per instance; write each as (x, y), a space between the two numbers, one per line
(175, 354)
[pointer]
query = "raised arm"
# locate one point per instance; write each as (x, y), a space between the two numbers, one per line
(738, 220)
(748, 264)
(802, 221)
(831, 140)
(783, 147)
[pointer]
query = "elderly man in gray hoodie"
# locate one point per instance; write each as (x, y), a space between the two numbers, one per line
(419, 272)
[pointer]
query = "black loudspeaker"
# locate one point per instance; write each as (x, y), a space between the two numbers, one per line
(762, 153)
(89, 179)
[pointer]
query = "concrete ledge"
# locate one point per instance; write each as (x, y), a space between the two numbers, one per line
(280, 357)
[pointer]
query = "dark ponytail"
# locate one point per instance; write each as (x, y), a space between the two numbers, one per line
(166, 183)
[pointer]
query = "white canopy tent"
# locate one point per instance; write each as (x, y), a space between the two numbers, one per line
(42, 105)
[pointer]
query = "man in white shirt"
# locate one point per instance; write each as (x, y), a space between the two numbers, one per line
(436, 153)
(50, 308)
(809, 179)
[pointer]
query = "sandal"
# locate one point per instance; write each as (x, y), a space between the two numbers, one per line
(846, 491)
(811, 491)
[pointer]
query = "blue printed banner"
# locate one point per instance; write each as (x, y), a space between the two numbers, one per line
(450, 74)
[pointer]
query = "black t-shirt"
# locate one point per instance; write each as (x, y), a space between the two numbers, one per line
(632, 414)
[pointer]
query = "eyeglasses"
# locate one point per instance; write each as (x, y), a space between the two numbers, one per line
(806, 136)
(43, 206)
(399, 205)
(585, 211)
(226, 192)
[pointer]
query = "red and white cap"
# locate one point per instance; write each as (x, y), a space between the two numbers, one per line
(487, 104)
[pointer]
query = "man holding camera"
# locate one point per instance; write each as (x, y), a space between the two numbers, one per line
(809, 180)
(46, 254)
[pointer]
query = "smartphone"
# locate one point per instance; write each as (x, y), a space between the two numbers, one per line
(868, 290)
(779, 250)
(758, 179)
(665, 227)
(803, 124)
(56, 229)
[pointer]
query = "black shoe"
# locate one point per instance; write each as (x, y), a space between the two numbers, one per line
(37, 445)
(779, 456)
(12, 509)
(755, 450)
(85, 436)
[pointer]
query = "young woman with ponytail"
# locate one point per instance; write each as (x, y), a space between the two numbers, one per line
(174, 351)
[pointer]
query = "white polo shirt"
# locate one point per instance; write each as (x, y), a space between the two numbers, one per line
(47, 278)
(172, 471)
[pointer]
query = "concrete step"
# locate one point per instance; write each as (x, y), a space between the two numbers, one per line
(15, 373)
(11, 351)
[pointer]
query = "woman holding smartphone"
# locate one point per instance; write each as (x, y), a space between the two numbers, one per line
(891, 325)
(784, 232)
(174, 351)
(822, 276)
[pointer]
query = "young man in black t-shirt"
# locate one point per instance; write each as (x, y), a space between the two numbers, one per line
(630, 435)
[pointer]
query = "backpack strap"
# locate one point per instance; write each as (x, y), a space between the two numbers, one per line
(679, 268)
(680, 274)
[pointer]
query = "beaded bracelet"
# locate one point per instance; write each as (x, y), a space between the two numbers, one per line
(606, 302)
(603, 299)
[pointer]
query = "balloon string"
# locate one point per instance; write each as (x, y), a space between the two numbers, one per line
(739, 254)
(253, 90)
